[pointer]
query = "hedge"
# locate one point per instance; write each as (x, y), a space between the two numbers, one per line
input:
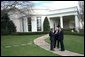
(46, 32)
(27, 33)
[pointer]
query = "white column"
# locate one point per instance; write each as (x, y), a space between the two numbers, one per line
(25, 25)
(42, 20)
(61, 21)
(51, 22)
(34, 24)
(76, 23)
(21, 30)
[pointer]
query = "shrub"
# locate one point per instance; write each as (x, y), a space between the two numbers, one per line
(46, 26)
(11, 27)
(7, 26)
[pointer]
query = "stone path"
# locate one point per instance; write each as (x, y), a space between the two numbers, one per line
(40, 41)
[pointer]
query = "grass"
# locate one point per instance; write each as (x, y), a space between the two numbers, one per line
(28, 50)
(73, 43)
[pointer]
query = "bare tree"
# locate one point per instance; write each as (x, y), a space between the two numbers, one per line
(23, 7)
(81, 12)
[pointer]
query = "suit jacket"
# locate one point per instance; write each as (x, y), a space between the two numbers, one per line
(51, 34)
(60, 35)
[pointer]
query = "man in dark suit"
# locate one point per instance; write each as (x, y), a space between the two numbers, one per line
(51, 34)
(56, 36)
(60, 39)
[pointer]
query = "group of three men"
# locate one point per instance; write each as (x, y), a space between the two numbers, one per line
(56, 36)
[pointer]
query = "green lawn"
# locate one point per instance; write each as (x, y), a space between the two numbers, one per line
(28, 50)
(73, 43)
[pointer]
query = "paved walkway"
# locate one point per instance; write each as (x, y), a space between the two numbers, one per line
(40, 41)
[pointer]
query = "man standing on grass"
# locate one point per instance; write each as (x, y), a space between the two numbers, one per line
(51, 34)
(60, 39)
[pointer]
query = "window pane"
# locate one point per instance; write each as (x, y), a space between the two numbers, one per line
(38, 23)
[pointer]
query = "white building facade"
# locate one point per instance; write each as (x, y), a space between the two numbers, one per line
(67, 18)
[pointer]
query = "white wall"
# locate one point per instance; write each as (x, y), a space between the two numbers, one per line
(17, 24)
(42, 21)
(51, 23)
(81, 24)
(16, 21)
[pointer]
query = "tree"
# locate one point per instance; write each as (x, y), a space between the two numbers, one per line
(23, 7)
(7, 26)
(81, 6)
(46, 26)
(81, 12)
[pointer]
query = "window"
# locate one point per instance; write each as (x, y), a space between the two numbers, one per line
(38, 23)
(29, 24)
